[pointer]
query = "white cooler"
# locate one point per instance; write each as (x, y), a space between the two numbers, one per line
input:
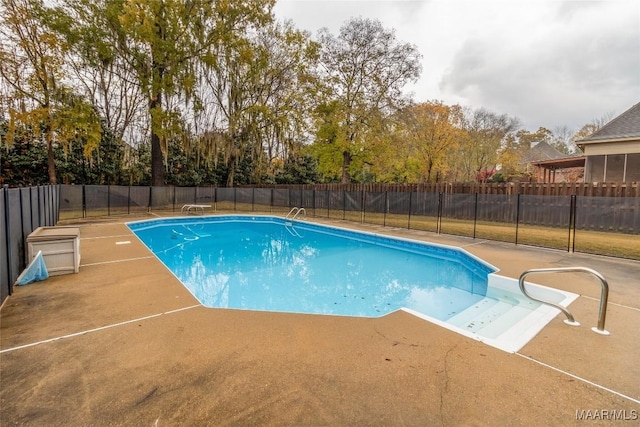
(60, 248)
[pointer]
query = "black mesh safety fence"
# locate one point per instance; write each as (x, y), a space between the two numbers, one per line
(590, 224)
(398, 209)
(244, 199)
(161, 198)
(262, 199)
(495, 217)
(539, 216)
(321, 203)
(424, 211)
(281, 198)
(337, 201)
(23, 210)
(225, 199)
(374, 207)
(353, 206)
(457, 214)
(602, 226)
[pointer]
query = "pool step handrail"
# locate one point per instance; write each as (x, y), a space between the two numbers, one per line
(301, 210)
(604, 295)
(291, 229)
(295, 211)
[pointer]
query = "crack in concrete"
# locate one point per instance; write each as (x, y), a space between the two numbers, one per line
(446, 382)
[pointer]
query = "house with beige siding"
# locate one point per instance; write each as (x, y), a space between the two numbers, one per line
(613, 152)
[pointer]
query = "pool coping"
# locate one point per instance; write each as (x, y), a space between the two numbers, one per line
(510, 340)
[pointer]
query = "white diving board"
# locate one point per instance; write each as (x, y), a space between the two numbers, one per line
(194, 208)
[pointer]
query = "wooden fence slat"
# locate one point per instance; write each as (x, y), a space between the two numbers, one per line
(599, 189)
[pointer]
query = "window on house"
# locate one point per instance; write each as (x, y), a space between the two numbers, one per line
(595, 166)
(615, 167)
(633, 168)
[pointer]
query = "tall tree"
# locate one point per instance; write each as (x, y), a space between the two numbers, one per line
(259, 86)
(164, 43)
(432, 130)
(484, 133)
(32, 65)
(365, 69)
(592, 127)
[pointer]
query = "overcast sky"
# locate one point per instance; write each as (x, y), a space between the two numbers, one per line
(548, 63)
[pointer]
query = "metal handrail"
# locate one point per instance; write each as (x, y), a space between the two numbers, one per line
(290, 212)
(604, 295)
(291, 229)
(297, 212)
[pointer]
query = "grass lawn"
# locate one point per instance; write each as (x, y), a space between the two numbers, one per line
(593, 242)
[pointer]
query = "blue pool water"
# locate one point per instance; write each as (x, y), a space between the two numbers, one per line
(267, 263)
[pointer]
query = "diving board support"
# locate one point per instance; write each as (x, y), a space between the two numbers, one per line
(194, 208)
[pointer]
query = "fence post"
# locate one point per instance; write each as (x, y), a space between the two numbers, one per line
(386, 208)
(475, 215)
(21, 212)
(253, 199)
(328, 202)
(150, 198)
(84, 202)
(108, 199)
(7, 234)
(344, 204)
(571, 244)
(57, 211)
(439, 215)
(39, 205)
(129, 201)
(410, 203)
(517, 215)
(33, 227)
(52, 215)
(363, 206)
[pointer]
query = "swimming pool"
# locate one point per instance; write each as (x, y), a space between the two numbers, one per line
(271, 264)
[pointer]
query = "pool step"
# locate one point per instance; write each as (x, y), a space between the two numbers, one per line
(483, 314)
(471, 313)
(501, 324)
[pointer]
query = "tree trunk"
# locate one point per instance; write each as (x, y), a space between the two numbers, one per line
(157, 161)
(231, 167)
(51, 162)
(346, 162)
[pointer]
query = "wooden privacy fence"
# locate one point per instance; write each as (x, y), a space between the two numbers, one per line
(597, 189)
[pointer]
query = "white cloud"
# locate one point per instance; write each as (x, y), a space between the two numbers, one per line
(549, 63)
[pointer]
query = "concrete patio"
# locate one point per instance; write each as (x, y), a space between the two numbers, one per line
(124, 343)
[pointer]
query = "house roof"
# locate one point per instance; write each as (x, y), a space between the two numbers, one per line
(625, 126)
(540, 152)
(567, 162)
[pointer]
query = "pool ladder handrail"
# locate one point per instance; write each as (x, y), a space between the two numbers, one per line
(604, 295)
(297, 212)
